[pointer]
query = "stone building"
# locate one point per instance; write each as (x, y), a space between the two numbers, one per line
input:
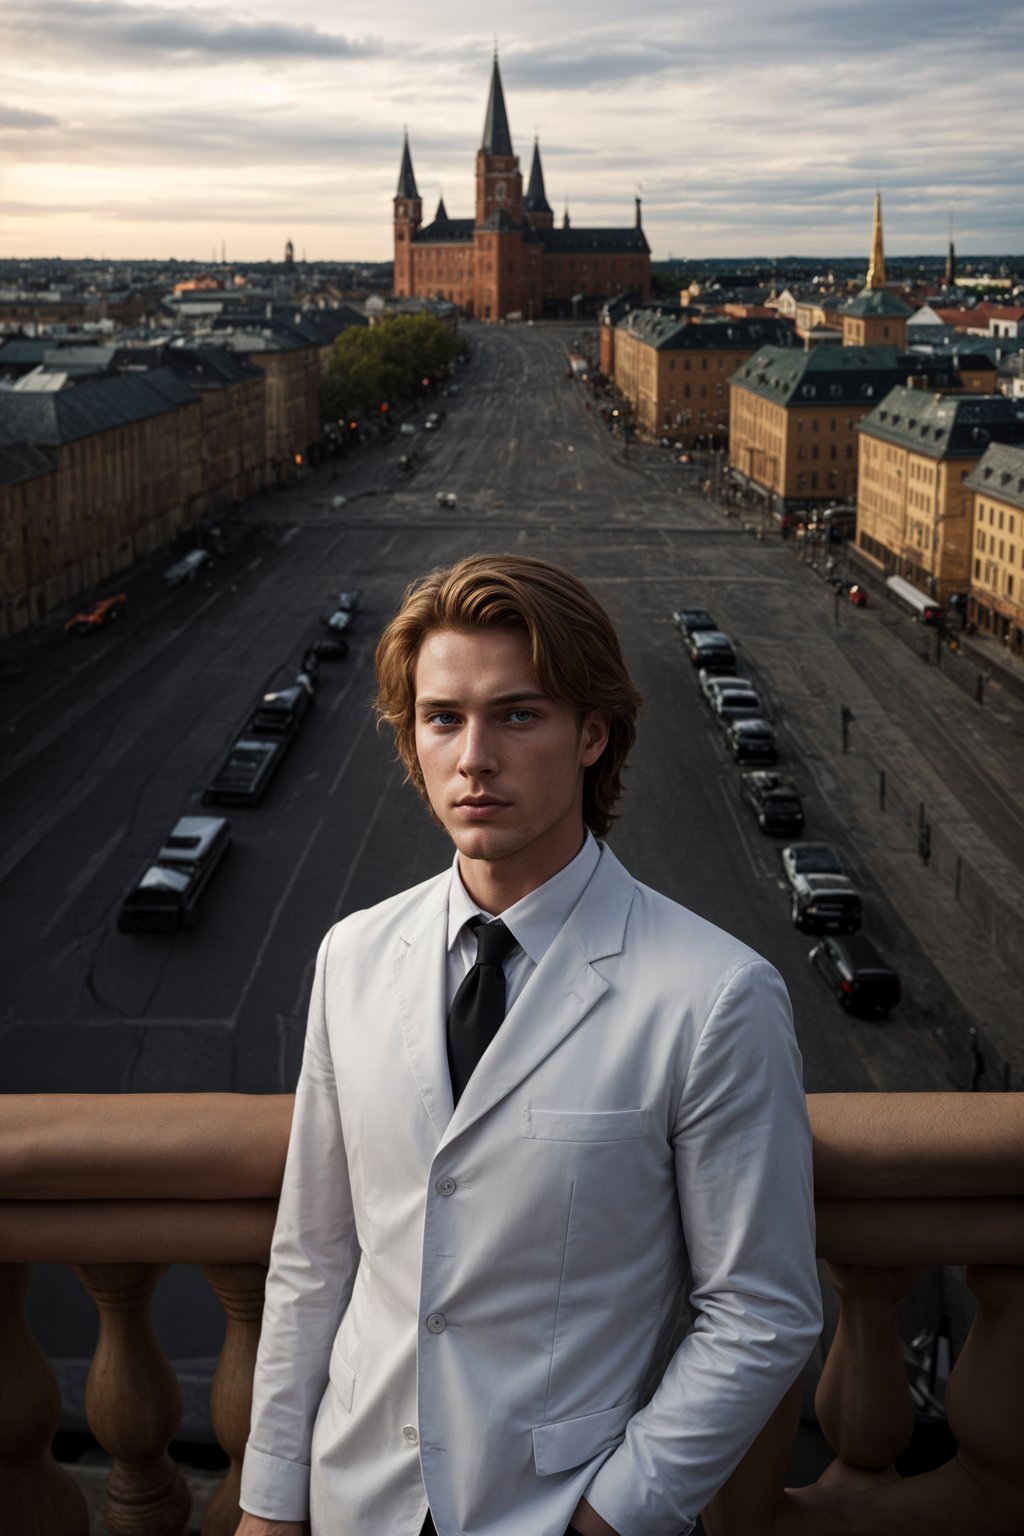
(92, 477)
(915, 509)
(877, 317)
(675, 372)
(996, 593)
(794, 417)
(509, 259)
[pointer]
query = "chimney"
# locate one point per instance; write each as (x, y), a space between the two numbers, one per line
(638, 224)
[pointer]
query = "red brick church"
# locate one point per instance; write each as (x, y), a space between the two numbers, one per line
(509, 259)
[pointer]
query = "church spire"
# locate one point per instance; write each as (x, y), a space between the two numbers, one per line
(406, 178)
(536, 198)
(497, 138)
(876, 266)
(951, 258)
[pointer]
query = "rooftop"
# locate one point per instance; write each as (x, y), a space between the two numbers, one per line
(1000, 474)
(945, 426)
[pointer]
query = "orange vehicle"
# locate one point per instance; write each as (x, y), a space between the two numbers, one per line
(107, 611)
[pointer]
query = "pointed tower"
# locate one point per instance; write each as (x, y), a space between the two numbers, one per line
(950, 273)
(408, 218)
(876, 317)
(441, 216)
(498, 231)
(539, 212)
(876, 266)
(499, 182)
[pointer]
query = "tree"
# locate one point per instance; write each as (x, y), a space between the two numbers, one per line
(385, 363)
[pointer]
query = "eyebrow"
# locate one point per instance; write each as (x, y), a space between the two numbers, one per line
(498, 700)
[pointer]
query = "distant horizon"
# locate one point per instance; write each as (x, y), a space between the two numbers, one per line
(760, 260)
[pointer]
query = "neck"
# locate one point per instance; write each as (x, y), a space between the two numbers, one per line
(497, 884)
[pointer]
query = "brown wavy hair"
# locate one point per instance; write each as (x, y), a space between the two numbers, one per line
(574, 651)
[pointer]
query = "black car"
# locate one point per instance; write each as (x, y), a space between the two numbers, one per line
(280, 713)
(165, 897)
(774, 800)
(712, 649)
(246, 771)
(751, 741)
(861, 980)
(689, 620)
(324, 650)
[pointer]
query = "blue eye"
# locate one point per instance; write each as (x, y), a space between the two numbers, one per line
(442, 718)
(521, 716)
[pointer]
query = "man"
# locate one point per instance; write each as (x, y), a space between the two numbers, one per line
(518, 1144)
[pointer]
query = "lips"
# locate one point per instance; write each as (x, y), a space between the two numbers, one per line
(480, 810)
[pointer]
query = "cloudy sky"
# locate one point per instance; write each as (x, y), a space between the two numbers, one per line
(753, 127)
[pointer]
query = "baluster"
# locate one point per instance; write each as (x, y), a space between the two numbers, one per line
(239, 1288)
(863, 1400)
(38, 1497)
(133, 1404)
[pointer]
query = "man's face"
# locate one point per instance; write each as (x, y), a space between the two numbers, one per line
(503, 764)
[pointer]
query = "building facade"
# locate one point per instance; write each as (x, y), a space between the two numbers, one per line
(675, 373)
(794, 417)
(915, 508)
(509, 260)
(996, 593)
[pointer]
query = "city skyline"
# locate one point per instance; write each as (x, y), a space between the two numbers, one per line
(137, 130)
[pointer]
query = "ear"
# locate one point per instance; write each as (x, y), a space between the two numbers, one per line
(594, 734)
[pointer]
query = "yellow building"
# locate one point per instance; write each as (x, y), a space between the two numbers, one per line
(794, 417)
(996, 596)
(915, 510)
(675, 373)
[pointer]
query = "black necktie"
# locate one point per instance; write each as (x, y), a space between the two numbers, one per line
(478, 1007)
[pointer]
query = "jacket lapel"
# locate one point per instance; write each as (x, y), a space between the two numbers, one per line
(561, 992)
(418, 970)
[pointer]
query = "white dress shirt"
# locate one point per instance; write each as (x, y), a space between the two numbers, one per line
(535, 922)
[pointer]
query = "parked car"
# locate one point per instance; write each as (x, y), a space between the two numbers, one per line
(447, 499)
(245, 773)
(280, 713)
(165, 897)
(432, 422)
(324, 650)
(774, 800)
(711, 648)
(751, 741)
(861, 980)
(339, 622)
(810, 859)
(407, 429)
(91, 620)
(186, 568)
(348, 602)
(731, 704)
(711, 683)
(689, 620)
(825, 903)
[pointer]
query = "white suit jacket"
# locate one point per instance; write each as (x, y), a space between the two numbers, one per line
(473, 1307)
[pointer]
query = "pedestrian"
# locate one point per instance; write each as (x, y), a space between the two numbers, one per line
(541, 1107)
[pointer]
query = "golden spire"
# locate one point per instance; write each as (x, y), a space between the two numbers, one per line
(876, 266)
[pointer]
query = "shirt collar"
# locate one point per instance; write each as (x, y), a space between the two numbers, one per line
(536, 920)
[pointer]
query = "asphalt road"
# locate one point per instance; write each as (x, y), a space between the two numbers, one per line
(110, 739)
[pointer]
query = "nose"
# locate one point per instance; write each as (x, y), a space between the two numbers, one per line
(478, 758)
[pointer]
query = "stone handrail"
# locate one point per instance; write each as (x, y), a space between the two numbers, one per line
(120, 1186)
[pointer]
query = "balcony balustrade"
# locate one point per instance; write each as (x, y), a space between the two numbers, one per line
(122, 1186)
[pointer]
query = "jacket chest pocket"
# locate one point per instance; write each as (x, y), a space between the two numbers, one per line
(590, 1126)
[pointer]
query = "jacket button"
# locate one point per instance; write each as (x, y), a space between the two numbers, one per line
(436, 1322)
(409, 1431)
(445, 1186)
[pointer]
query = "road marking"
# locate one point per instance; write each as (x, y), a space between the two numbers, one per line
(89, 869)
(343, 766)
(755, 863)
(360, 850)
(274, 919)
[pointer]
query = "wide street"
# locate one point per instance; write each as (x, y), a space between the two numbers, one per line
(110, 739)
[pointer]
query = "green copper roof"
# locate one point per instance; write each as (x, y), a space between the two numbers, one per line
(877, 301)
